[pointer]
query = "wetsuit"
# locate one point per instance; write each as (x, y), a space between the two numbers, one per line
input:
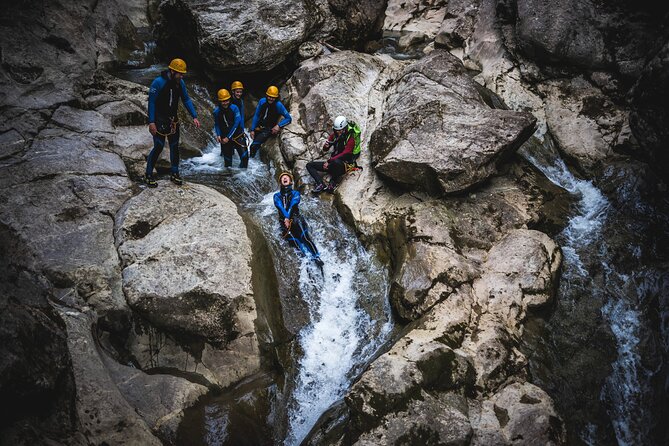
(240, 105)
(287, 203)
(342, 153)
(267, 116)
(227, 124)
(164, 96)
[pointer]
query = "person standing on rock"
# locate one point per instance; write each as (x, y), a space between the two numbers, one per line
(228, 128)
(164, 95)
(293, 226)
(342, 141)
(270, 117)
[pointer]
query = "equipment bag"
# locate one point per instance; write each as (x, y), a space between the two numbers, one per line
(354, 129)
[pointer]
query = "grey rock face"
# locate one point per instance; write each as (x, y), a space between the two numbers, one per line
(465, 349)
(238, 35)
(564, 31)
(180, 273)
(437, 133)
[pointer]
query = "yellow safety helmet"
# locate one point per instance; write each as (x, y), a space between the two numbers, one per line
(272, 91)
(178, 65)
(223, 95)
(284, 173)
(236, 85)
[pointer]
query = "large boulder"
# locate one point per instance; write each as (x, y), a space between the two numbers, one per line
(563, 31)
(237, 35)
(187, 270)
(465, 348)
(438, 134)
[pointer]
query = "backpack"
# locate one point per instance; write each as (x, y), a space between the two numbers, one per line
(355, 130)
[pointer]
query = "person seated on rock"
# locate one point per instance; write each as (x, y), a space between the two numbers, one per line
(237, 90)
(293, 226)
(228, 128)
(164, 95)
(342, 142)
(270, 117)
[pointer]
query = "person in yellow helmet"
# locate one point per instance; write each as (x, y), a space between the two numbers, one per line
(164, 95)
(228, 127)
(270, 117)
(237, 90)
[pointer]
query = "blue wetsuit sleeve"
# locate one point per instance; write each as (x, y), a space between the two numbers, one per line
(287, 119)
(279, 205)
(256, 115)
(217, 129)
(186, 100)
(235, 124)
(294, 201)
(156, 86)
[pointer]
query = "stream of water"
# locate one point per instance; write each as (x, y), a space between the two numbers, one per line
(348, 312)
(592, 269)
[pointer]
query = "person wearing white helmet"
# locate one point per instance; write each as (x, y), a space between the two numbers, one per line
(342, 142)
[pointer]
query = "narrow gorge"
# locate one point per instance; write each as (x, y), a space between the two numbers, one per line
(496, 273)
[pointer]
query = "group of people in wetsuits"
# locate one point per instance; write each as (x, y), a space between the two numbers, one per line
(269, 118)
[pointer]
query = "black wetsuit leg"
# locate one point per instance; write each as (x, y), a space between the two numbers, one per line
(260, 137)
(336, 169)
(299, 235)
(226, 152)
(314, 167)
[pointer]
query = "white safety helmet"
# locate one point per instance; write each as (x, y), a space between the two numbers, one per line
(340, 123)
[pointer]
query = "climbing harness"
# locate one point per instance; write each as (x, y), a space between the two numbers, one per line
(172, 128)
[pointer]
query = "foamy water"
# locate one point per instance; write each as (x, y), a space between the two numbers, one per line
(623, 390)
(342, 335)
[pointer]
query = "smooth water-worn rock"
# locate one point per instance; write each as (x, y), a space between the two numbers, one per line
(437, 134)
(180, 273)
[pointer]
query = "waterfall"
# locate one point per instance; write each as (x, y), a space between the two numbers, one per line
(625, 391)
(349, 313)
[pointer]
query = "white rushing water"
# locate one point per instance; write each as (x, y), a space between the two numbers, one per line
(623, 388)
(338, 337)
(342, 335)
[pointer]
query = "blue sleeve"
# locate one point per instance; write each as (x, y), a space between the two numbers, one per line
(156, 86)
(217, 129)
(186, 99)
(279, 205)
(256, 115)
(294, 201)
(287, 119)
(235, 124)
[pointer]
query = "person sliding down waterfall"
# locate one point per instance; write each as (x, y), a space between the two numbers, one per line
(228, 128)
(164, 95)
(342, 140)
(293, 226)
(266, 120)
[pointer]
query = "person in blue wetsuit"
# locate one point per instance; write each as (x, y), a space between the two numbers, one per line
(270, 117)
(293, 226)
(237, 90)
(164, 95)
(227, 125)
